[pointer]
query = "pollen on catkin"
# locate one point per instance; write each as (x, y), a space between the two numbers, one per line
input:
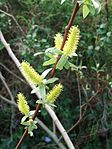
(22, 104)
(31, 75)
(58, 40)
(72, 41)
(54, 93)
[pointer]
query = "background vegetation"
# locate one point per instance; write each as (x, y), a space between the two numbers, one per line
(39, 21)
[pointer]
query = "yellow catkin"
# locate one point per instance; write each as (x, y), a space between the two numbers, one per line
(31, 75)
(58, 40)
(72, 41)
(54, 93)
(22, 104)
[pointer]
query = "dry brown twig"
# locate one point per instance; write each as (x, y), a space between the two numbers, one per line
(8, 101)
(10, 15)
(7, 69)
(12, 101)
(81, 110)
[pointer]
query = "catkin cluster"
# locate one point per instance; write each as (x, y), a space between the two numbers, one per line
(71, 44)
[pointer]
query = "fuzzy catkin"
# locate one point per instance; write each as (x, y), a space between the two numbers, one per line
(72, 41)
(58, 40)
(54, 93)
(30, 74)
(22, 104)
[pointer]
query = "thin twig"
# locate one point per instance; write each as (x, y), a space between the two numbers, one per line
(79, 90)
(10, 15)
(12, 73)
(82, 106)
(54, 137)
(107, 10)
(12, 99)
(8, 101)
(60, 127)
(80, 101)
(82, 114)
(6, 86)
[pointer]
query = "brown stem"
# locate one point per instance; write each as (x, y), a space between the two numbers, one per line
(82, 106)
(22, 138)
(82, 113)
(26, 131)
(106, 8)
(76, 7)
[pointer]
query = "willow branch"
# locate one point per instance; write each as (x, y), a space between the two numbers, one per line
(8, 101)
(40, 123)
(76, 7)
(18, 64)
(54, 137)
(16, 61)
(60, 127)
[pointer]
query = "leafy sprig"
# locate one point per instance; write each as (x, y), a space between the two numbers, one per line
(69, 49)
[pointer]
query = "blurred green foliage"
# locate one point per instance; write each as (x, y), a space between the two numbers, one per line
(40, 21)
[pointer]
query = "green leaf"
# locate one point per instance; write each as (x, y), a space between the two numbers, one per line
(39, 101)
(56, 51)
(49, 62)
(51, 52)
(42, 91)
(85, 11)
(44, 74)
(24, 118)
(31, 133)
(32, 112)
(91, 9)
(74, 54)
(35, 121)
(36, 90)
(25, 123)
(96, 5)
(61, 62)
(1, 46)
(80, 2)
(67, 65)
(62, 1)
(52, 80)
(73, 67)
(38, 53)
(48, 52)
(32, 127)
